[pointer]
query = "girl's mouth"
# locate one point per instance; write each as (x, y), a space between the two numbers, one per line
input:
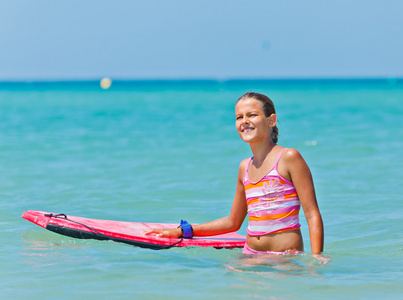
(247, 129)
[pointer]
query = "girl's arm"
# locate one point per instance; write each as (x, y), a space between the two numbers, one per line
(224, 225)
(301, 177)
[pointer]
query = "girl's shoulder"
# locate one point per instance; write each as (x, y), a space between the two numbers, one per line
(291, 162)
(291, 159)
(244, 164)
(291, 154)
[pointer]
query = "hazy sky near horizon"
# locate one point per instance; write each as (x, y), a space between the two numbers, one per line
(131, 39)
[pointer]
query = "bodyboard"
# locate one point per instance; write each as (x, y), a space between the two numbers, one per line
(126, 232)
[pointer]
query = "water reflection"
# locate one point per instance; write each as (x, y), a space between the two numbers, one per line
(46, 253)
(272, 264)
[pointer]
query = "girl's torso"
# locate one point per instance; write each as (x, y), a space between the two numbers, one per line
(273, 208)
(278, 242)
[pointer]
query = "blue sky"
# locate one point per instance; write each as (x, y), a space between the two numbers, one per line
(90, 39)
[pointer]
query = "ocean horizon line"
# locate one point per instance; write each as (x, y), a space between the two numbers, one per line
(209, 81)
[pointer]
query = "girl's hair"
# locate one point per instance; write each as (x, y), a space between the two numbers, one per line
(268, 109)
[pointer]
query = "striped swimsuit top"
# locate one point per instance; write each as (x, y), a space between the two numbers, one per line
(273, 203)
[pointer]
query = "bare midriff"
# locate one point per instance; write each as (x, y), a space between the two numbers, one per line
(283, 241)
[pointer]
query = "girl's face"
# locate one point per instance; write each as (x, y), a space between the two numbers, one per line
(251, 123)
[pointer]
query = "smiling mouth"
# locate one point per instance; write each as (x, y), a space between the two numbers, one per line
(247, 129)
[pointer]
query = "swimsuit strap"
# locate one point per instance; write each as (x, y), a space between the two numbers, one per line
(278, 158)
(246, 175)
(247, 164)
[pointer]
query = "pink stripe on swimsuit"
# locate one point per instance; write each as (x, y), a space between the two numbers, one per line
(273, 203)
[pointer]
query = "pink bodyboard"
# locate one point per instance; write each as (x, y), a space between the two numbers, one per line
(125, 232)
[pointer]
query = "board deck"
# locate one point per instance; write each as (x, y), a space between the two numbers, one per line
(125, 232)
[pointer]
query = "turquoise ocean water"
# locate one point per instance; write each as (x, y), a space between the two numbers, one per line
(162, 151)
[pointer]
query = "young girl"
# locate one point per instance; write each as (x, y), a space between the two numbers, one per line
(271, 187)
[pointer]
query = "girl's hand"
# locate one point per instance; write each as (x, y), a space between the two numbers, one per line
(322, 259)
(166, 233)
